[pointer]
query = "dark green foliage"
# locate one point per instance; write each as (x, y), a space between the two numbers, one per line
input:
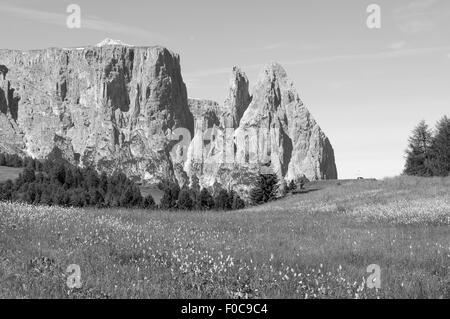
(238, 202)
(63, 184)
(419, 151)
(440, 148)
(205, 200)
(170, 197)
(429, 155)
(223, 200)
(6, 190)
(195, 184)
(265, 189)
(148, 202)
(292, 186)
(302, 181)
(11, 160)
(185, 199)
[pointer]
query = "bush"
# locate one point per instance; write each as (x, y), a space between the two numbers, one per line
(292, 186)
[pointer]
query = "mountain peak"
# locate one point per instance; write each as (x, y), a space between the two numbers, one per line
(109, 41)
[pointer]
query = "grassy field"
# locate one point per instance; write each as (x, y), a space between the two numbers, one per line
(312, 245)
(9, 173)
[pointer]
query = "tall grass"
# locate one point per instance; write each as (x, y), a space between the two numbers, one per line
(313, 245)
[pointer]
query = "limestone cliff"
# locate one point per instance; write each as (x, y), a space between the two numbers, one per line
(112, 106)
(122, 108)
(275, 133)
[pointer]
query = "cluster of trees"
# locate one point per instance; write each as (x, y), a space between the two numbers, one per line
(14, 160)
(195, 198)
(57, 182)
(428, 152)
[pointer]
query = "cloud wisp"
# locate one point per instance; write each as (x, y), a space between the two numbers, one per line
(421, 16)
(87, 22)
(392, 54)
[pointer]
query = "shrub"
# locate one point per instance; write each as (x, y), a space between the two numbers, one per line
(292, 186)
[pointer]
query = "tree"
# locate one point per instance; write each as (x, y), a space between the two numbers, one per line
(58, 172)
(205, 200)
(440, 148)
(170, 197)
(222, 200)
(28, 175)
(302, 181)
(265, 189)
(6, 190)
(238, 202)
(148, 202)
(185, 200)
(292, 186)
(195, 183)
(419, 151)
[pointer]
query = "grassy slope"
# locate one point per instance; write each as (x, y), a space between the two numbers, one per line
(316, 244)
(9, 173)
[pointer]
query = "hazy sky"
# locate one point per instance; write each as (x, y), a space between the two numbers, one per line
(367, 88)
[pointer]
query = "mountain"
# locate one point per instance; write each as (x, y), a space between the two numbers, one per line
(119, 107)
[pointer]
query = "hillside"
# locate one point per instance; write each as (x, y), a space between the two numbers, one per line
(313, 245)
(9, 173)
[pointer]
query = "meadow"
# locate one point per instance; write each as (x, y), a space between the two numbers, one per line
(316, 244)
(9, 173)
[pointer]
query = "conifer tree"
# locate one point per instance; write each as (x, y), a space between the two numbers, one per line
(419, 151)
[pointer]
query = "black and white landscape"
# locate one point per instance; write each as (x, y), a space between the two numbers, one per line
(126, 174)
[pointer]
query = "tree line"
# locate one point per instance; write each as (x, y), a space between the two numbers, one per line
(428, 152)
(55, 181)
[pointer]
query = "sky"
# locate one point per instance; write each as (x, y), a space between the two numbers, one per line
(367, 88)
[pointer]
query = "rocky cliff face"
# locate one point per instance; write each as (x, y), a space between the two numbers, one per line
(118, 107)
(282, 131)
(112, 107)
(274, 133)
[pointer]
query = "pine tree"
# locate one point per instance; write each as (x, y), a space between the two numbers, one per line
(419, 151)
(205, 200)
(185, 200)
(440, 148)
(195, 184)
(148, 202)
(238, 202)
(28, 175)
(265, 189)
(170, 197)
(222, 200)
